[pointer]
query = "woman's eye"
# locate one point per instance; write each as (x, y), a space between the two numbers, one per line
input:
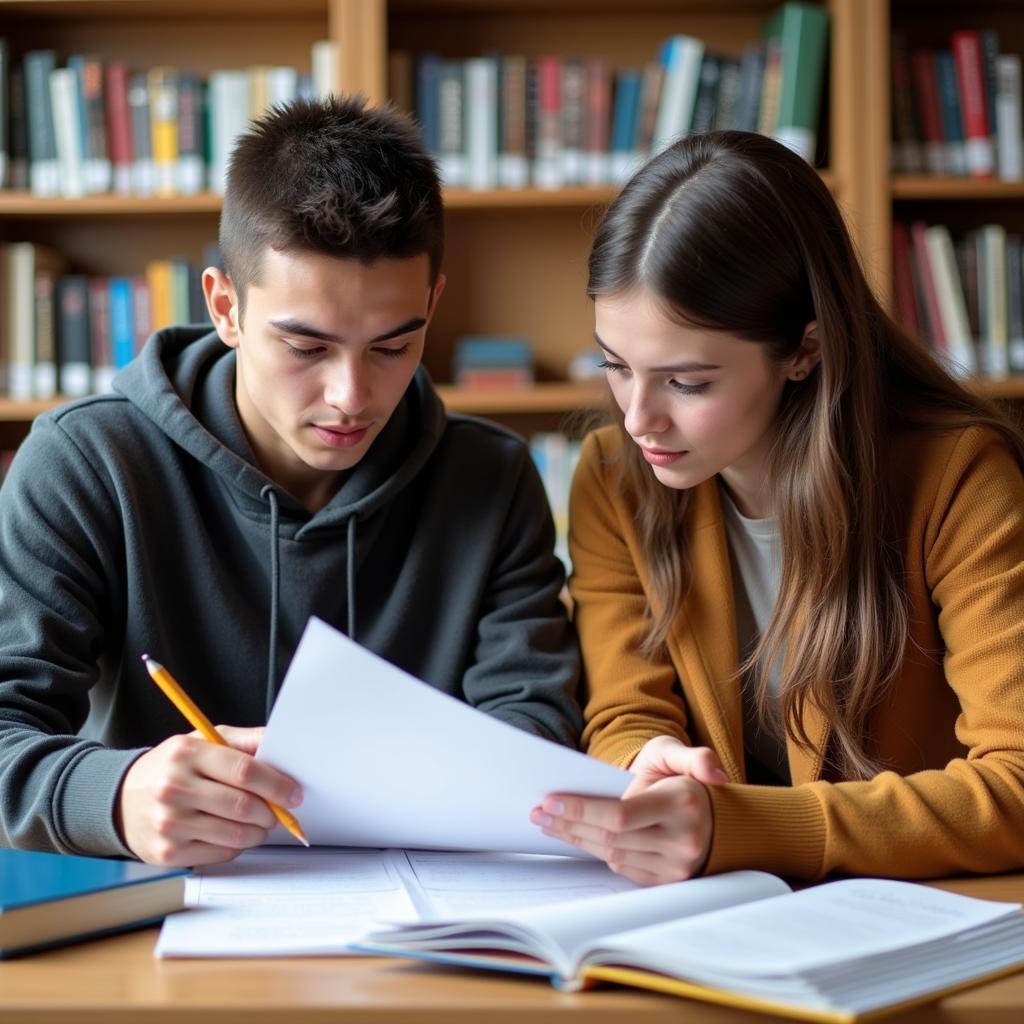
(607, 364)
(689, 389)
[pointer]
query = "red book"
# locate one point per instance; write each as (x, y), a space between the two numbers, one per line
(970, 77)
(929, 111)
(903, 277)
(119, 127)
(929, 291)
(548, 153)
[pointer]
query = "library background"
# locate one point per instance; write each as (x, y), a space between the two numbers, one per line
(116, 122)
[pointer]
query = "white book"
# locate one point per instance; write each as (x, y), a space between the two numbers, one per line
(993, 296)
(952, 305)
(229, 118)
(20, 298)
(282, 85)
(830, 952)
(681, 59)
(481, 96)
(64, 95)
(1008, 127)
(513, 170)
(326, 62)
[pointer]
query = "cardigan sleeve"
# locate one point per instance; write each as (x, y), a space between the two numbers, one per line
(629, 698)
(969, 814)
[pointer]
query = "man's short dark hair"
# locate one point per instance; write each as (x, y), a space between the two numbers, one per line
(330, 176)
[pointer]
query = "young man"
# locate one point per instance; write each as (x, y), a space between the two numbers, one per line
(295, 461)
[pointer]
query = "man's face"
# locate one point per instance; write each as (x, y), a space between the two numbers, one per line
(326, 351)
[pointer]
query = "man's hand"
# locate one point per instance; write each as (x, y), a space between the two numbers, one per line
(188, 802)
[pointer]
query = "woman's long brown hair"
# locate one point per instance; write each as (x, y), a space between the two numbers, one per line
(733, 232)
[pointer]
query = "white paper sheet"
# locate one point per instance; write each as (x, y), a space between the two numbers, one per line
(280, 901)
(385, 760)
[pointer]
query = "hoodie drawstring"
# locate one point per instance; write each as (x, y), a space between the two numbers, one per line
(350, 577)
(270, 495)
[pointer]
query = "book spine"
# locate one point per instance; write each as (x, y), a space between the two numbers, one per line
(67, 125)
(163, 128)
(325, 58)
(650, 95)
(548, 166)
(574, 90)
(624, 120)
(949, 105)
(428, 73)
(929, 299)
(229, 118)
(706, 102)
(282, 85)
(950, 297)
(119, 127)
(596, 128)
(682, 57)
(142, 312)
(728, 94)
(451, 127)
(191, 170)
(73, 335)
(18, 175)
(1008, 120)
(44, 362)
(748, 107)
(771, 89)
(143, 178)
(513, 163)
(44, 171)
(100, 345)
(122, 333)
(907, 150)
(929, 115)
(903, 278)
(994, 289)
(92, 108)
(158, 277)
(482, 122)
(1015, 300)
(20, 301)
(970, 74)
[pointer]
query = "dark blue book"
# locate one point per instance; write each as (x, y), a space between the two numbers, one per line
(49, 899)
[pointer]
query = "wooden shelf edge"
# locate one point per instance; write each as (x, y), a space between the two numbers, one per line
(554, 397)
(922, 186)
(24, 204)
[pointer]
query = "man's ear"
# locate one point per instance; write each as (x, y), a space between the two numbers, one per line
(222, 302)
(808, 355)
(435, 294)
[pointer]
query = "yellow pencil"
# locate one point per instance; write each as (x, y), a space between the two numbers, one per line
(181, 700)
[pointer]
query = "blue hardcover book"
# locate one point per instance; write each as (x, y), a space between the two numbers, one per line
(122, 327)
(625, 114)
(952, 119)
(492, 351)
(49, 899)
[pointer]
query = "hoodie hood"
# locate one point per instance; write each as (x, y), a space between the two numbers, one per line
(184, 382)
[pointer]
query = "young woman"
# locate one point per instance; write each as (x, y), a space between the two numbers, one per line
(799, 556)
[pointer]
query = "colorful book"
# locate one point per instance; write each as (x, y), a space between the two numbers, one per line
(681, 59)
(43, 169)
(801, 33)
(1008, 120)
(93, 120)
(831, 952)
(974, 106)
(74, 343)
(49, 899)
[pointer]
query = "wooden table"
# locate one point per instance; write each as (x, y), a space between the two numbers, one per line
(118, 981)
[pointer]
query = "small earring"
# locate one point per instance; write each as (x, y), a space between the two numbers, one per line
(798, 375)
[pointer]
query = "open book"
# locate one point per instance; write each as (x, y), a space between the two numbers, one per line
(835, 952)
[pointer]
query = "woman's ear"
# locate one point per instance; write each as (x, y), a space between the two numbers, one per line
(808, 355)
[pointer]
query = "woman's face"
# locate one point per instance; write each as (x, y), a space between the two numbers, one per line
(696, 402)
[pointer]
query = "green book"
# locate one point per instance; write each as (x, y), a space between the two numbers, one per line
(801, 32)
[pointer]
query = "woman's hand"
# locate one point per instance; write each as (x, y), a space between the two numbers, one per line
(661, 829)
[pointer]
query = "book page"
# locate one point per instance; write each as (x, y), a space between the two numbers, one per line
(276, 901)
(446, 885)
(826, 925)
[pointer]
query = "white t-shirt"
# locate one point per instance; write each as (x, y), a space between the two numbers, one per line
(756, 558)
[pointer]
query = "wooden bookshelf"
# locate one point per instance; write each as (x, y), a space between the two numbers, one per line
(923, 187)
(515, 260)
(545, 397)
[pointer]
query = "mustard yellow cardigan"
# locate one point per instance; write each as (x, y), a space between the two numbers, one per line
(951, 730)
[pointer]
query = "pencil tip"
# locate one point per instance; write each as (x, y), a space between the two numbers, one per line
(305, 842)
(145, 657)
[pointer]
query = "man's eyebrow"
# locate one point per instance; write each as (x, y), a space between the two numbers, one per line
(680, 368)
(288, 325)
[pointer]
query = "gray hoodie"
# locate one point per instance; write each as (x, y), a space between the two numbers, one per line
(138, 522)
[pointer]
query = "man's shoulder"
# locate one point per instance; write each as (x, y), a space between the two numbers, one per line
(471, 437)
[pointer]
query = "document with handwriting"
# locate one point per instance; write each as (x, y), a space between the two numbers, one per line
(281, 901)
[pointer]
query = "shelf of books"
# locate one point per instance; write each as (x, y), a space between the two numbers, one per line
(958, 184)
